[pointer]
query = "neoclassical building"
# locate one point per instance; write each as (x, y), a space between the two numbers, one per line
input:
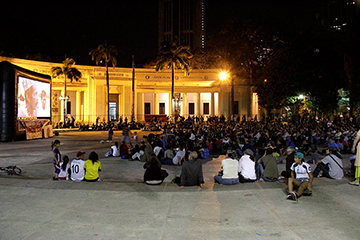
(200, 93)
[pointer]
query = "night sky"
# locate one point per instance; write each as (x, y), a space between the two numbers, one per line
(57, 28)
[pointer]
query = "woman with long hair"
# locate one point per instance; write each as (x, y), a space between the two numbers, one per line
(64, 168)
(153, 174)
(92, 168)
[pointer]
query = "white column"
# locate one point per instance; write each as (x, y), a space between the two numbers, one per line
(62, 107)
(142, 107)
(212, 112)
(198, 104)
(86, 107)
(156, 103)
(184, 106)
(169, 106)
(77, 105)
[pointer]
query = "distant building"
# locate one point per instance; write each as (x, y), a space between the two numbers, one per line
(200, 94)
(184, 19)
(337, 14)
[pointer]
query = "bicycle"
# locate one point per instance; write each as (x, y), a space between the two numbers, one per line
(11, 170)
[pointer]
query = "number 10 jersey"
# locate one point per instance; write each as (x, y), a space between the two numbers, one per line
(77, 170)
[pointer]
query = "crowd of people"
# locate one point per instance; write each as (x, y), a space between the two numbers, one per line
(252, 148)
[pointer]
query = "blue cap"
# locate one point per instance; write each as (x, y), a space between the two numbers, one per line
(299, 155)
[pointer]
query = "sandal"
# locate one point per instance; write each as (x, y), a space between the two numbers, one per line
(354, 183)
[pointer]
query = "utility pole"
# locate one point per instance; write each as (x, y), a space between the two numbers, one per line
(133, 90)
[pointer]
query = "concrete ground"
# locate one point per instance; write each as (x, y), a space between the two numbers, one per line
(122, 207)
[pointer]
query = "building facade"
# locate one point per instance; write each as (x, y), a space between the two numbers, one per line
(184, 19)
(200, 93)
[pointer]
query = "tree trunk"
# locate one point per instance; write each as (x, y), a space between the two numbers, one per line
(232, 110)
(133, 90)
(108, 91)
(172, 89)
(65, 101)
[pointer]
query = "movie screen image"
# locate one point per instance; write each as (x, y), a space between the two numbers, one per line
(33, 98)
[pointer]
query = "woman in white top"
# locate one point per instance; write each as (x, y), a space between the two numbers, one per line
(247, 167)
(229, 171)
(64, 168)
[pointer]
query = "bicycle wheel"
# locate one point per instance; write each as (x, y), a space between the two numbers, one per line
(17, 170)
(13, 170)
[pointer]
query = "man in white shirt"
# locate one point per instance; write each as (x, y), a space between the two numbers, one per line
(179, 156)
(247, 167)
(331, 165)
(77, 167)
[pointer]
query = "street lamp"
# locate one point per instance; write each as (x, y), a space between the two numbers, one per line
(224, 76)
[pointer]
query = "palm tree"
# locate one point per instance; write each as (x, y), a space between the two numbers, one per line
(69, 72)
(107, 54)
(172, 55)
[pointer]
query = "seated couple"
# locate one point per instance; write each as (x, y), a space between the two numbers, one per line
(234, 171)
(88, 170)
(173, 159)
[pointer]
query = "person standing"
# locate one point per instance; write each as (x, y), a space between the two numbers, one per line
(126, 132)
(356, 182)
(77, 167)
(111, 132)
(56, 158)
(135, 137)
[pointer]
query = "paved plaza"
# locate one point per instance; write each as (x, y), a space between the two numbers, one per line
(33, 206)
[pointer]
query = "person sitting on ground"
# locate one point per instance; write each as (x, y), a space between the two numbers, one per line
(136, 152)
(153, 174)
(204, 151)
(159, 152)
(147, 148)
(177, 160)
(77, 167)
(331, 165)
(246, 168)
(301, 177)
(191, 172)
(267, 167)
(124, 150)
(64, 168)
(332, 143)
(114, 151)
(229, 170)
(289, 160)
(92, 168)
(168, 156)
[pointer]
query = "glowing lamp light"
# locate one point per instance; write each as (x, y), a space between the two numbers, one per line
(223, 75)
